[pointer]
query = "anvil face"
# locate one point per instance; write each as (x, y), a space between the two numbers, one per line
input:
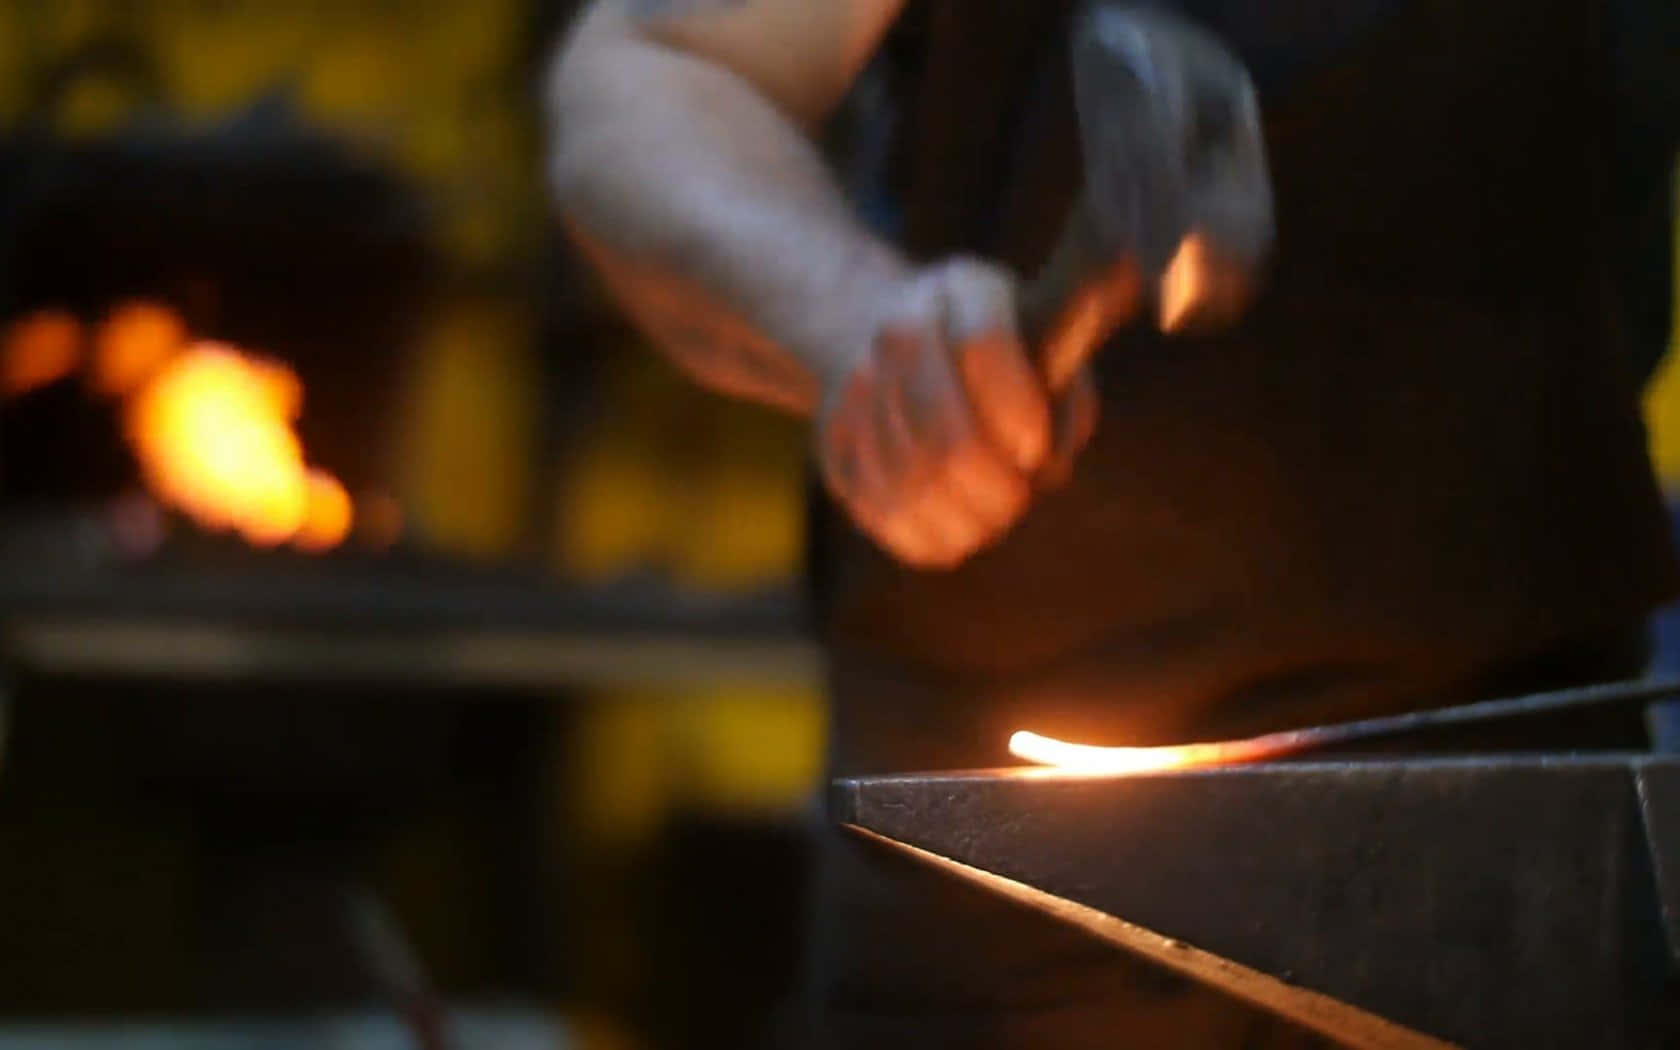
(1490, 902)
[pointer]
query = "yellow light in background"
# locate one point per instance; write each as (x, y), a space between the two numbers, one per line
(611, 504)
(359, 74)
(38, 349)
(132, 342)
(1662, 393)
(15, 55)
(749, 749)
(735, 500)
(219, 57)
(619, 767)
(467, 451)
(96, 105)
(708, 492)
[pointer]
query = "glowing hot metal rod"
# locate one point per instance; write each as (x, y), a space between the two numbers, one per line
(1087, 759)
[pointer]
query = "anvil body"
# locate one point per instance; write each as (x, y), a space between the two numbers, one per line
(1511, 901)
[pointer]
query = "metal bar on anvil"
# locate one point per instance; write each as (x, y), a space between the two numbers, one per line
(1491, 902)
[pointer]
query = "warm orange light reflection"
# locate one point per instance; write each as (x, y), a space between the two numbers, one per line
(213, 433)
(38, 349)
(1090, 759)
(1201, 286)
(132, 342)
(1183, 281)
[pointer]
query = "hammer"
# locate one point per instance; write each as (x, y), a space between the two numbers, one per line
(1175, 213)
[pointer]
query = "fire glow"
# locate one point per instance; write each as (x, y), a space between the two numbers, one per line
(1088, 759)
(211, 425)
(213, 433)
(41, 348)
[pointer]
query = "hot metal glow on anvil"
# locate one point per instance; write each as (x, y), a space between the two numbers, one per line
(1512, 901)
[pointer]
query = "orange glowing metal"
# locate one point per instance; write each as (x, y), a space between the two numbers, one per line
(1065, 757)
(38, 349)
(213, 433)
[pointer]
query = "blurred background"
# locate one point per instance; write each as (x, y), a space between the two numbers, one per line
(393, 651)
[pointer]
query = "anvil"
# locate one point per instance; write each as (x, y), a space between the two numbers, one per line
(1494, 901)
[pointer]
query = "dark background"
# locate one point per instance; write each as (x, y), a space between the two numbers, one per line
(539, 758)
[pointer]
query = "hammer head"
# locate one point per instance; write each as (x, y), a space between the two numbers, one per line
(1174, 159)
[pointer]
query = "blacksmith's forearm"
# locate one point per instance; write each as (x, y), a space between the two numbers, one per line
(713, 218)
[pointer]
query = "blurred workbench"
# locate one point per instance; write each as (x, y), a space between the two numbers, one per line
(246, 615)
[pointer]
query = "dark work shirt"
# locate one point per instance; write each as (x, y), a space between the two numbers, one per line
(1417, 458)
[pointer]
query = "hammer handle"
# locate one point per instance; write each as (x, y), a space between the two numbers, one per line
(1077, 299)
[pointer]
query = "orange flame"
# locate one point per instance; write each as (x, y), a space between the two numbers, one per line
(213, 432)
(38, 349)
(132, 343)
(1088, 759)
(210, 425)
(326, 513)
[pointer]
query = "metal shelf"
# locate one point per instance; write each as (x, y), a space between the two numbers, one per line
(397, 620)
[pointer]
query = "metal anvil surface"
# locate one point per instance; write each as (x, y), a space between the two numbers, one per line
(1513, 901)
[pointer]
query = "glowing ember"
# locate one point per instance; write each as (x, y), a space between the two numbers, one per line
(326, 514)
(210, 425)
(1065, 757)
(213, 433)
(132, 343)
(38, 349)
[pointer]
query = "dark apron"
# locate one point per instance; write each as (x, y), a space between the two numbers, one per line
(1414, 475)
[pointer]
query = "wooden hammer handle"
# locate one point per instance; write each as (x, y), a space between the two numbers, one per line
(1079, 297)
